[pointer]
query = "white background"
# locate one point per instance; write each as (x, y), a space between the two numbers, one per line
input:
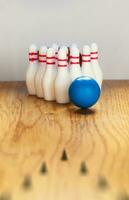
(64, 21)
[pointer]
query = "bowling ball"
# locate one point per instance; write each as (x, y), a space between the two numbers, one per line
(84, 92)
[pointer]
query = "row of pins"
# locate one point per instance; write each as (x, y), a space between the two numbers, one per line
(52, 70)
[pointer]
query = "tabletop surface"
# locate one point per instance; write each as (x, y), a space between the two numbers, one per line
(59, 152)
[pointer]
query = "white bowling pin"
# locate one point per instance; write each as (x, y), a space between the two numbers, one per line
(32, 69)
(55, 47)
(66, 49)
(49, 76)
(86, 62)
(73, 45)
(40, 72)
(95, 64)
(75, 70)
(63, 80)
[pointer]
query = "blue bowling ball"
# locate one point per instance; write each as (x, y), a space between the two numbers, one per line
(84, 92)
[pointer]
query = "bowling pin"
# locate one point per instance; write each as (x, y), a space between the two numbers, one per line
(66, 49)
(95, 64)
(32, 69)
(63, 80)
(40, 72)
(73, 45)
(75, 70)
(86, 62)
(49, 76)
(55, 47)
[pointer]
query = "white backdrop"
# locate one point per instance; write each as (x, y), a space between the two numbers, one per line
(64, 21)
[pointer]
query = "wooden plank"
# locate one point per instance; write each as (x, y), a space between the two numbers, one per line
(34, 134)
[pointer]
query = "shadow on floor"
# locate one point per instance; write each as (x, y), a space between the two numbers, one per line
(80, 111)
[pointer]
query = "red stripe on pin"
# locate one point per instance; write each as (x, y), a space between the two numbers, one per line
(86, 60)
(50, 57)
(42, 55)
(74, 57)
(50, 63)
(62, 65)
(33, 54)
(85, 55)
(95, 52)
(42, 61)
(94, 58)
(62, 59)
(33, 59)
(74, 63)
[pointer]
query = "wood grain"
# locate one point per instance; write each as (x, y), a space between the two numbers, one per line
(34, 134)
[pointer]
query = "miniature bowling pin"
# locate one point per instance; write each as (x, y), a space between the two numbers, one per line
(86, 62)
(63, 80)
(55, 47)
(40, 72)
(32, 69)
(67, 51)
(49, 76)
(75, 70)
(73, 45)
(95, 64)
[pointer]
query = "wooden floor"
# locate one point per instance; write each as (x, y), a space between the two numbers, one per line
(59, 152)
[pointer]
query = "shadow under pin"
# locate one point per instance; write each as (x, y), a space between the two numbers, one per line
(102, 183)
(64, 156)
(83, 169)
(43, 169)
(27, 184)
(123, 196)
(5, 196)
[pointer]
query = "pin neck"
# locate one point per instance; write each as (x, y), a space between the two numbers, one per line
(62, 62)
(94, 55)
(42, 58)
(50, 60)
(33, 56)
(74, 60)
(86, 58)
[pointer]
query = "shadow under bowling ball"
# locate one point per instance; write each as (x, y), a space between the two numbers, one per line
(84, 92)
(86, 111)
